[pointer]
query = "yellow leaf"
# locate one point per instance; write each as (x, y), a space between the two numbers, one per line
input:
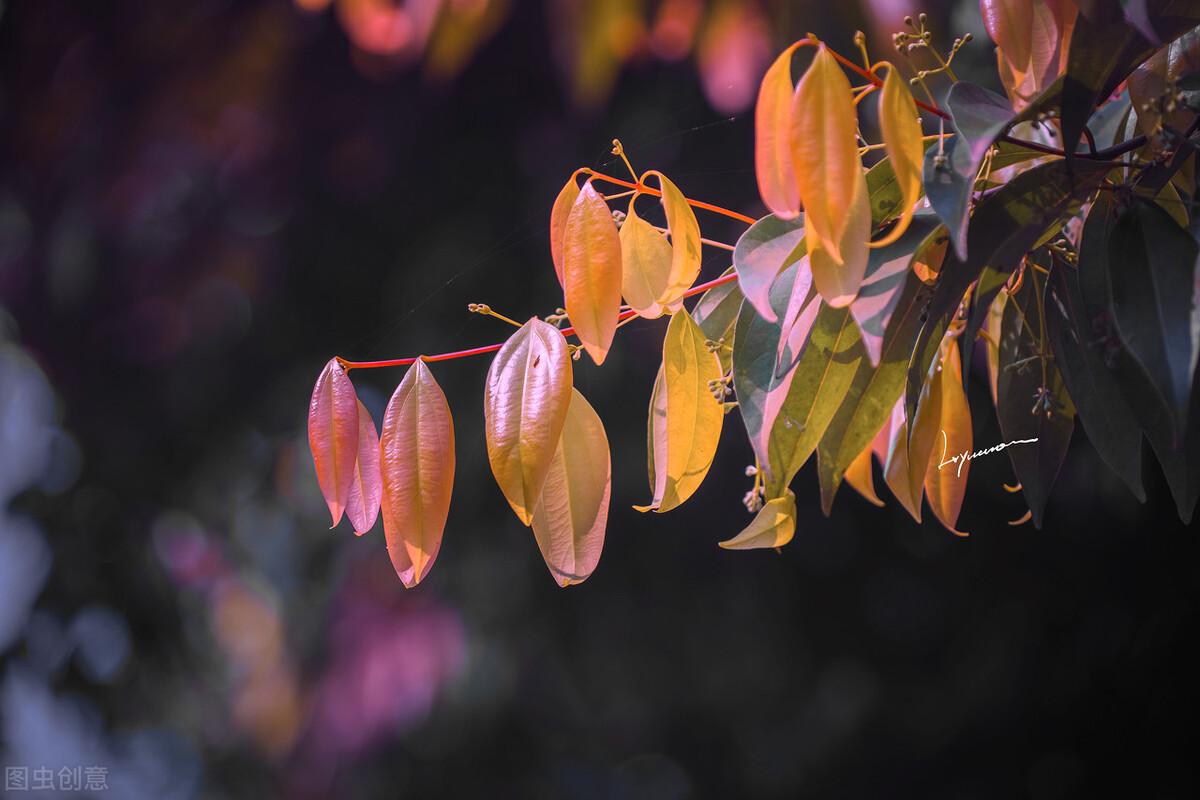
(859, 476)
(773, 526)
(592, 272)
(693, 415)
(902, 140)
(946, 474)
(416, 463)
(895, 468)
(772, 149)
(571, 515)
(995, 318)
(645, 265)
(838, 283)
(525, 404)
(824, 147)
(685, 242)
(656, 441)
(559, 213)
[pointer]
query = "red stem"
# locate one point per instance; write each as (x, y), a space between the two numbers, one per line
(491, 348)
(644, 189)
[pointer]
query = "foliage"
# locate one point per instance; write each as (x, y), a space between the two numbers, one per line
(1053, 230)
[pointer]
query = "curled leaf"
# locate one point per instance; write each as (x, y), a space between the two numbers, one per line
(902, 139)
(592, 272)
(362, 505)
(859, 476)
(825, 151)
(773, 526)
(416, 457)
(693, 415)
(525, 403)
(559, 213)
(645, 265)
(766, 249)
(333, 435)
(685, 241)
(772, 146)
(571, 515)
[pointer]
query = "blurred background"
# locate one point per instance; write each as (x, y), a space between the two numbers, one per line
(202, 202)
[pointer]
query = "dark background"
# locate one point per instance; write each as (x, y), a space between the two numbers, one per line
(201, 203)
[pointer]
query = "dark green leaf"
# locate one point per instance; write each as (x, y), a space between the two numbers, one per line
(1078, 342)
(1005, 225)
(1032, 401)
(1151, 271)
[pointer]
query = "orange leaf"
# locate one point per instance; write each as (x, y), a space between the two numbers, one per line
(416, 456)
(592, 272)
(772, 148)
(825, 151)
(559, 214)
(946, 474)
(525, 404)
(571, 514)
(333, 436)
(362, 506)
(838, 283)
(859, 476)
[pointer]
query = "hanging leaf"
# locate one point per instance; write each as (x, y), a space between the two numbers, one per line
(416, 458)
(525, 404)
(994, 327)
(762, 373)
(859, 476)
(886, 276)
(571, 515)
(333, 436)
(656, 441)
(838, 280)
(645, 265)
(873, 393)
(901, 126)
(824, 139)
(1078, 340)
(1033, 402)
(773, 526)
(1152, 267)
(772, 146)
(685, 241)
(559, 213)
(765, 250)
(362, 504)
(693, 414)
(896, 471)
(818, 388)
(1009, 23)
(946, 476)
(592, 272)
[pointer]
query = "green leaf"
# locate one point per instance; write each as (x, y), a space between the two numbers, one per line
(1032, 401)
(766, 248)
(1147, 405)
(979, 118)
(819, 385)
(1151, 271)
(1102, 55)
(716, 313)
(1004, 227)
(1078, 340)
(873, 392)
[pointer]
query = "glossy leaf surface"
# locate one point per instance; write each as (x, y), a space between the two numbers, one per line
(333, 436)
(559, 213)
(772, 143)
(525, 403)
(416, 461)
(592, 272)
(570, 518)
(366, 491)
(645, 265)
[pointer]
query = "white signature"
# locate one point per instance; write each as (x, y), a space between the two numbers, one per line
(964, 457)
